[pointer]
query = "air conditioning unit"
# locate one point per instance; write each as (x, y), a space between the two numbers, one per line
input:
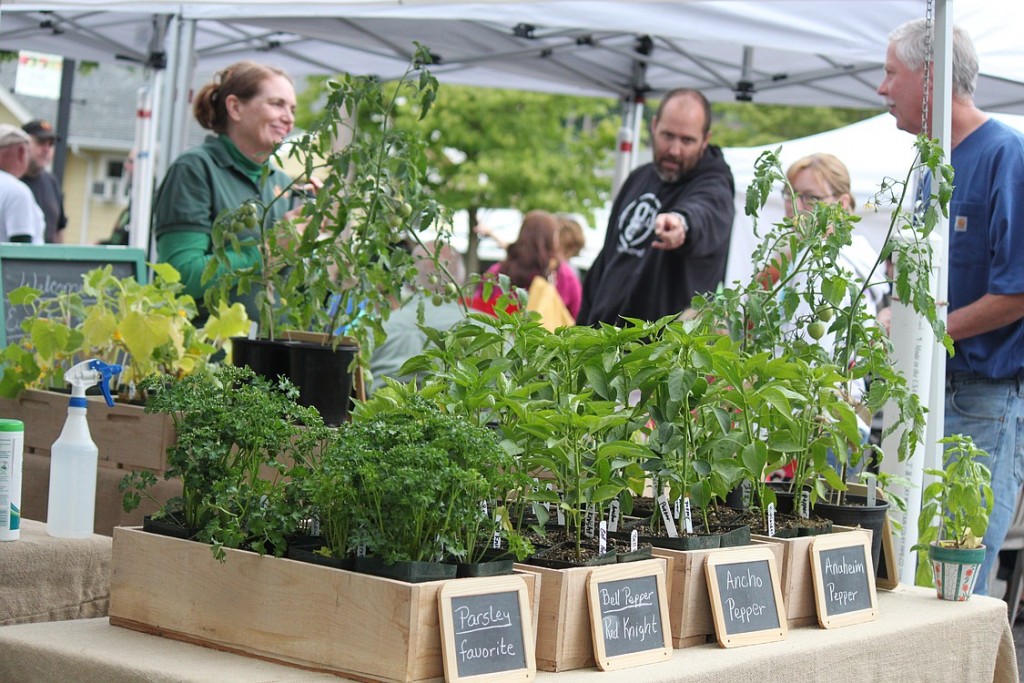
(104, 190)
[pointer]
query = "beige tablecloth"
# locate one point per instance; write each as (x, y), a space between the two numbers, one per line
(916, 638)
(45, 579)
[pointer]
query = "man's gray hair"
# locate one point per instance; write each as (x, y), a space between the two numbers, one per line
(910, 42)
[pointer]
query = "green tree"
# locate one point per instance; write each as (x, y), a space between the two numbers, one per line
(743, 124)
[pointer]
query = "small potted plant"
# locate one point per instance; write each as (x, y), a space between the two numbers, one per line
(145, 328)
(954, 518)
(240, 438)
(403, 488)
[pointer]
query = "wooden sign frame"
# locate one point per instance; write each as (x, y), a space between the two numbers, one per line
(619, 572)
(486, 586)
(846, 539)
(887, 558)
(738, 557)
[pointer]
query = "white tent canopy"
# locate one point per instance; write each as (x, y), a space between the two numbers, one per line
(772, 51)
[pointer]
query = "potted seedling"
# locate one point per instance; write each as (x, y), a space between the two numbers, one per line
(410, 491)
(145, 328)
(954, 518)
(239, 436)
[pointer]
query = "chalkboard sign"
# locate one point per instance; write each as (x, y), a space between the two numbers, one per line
(746, 599)
(629, 614)
(487, 630)
(53, 269)
(844, 580)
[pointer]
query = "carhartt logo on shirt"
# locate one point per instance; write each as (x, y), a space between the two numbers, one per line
(960, 224)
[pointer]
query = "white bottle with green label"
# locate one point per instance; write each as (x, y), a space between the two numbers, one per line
(74, 456)
(12, 443)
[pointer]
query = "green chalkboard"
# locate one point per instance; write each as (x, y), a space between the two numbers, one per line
(746, 597)
(53, 269)
(486, 630)
(844, 579)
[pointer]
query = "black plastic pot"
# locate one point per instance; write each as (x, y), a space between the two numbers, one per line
(687, 542)
(323, 377)
(267, 358)
(308, 554)
(856, 513)
(500, 567)
(643, 553)
(736, 535)
(167, 527)
(408, 571)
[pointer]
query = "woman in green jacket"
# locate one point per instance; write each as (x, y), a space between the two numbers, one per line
(250, 108)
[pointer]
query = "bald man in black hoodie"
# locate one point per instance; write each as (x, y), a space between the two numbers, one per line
(669, 230)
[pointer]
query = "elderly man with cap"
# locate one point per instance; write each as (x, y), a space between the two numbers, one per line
(21, 219)
(44, 184)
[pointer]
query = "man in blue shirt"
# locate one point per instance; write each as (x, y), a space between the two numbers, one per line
(985, 376)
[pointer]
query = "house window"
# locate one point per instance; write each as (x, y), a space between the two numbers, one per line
(112, 183)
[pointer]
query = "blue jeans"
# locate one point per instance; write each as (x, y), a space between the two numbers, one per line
(992, 413)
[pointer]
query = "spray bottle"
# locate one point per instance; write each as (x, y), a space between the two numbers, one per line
(74, 456)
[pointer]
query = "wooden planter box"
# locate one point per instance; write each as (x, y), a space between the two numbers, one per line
(795, 571)
(127, 438)
(291, 612)
(563, 621)
(689, 603)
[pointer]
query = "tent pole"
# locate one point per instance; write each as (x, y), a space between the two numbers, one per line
(162, 149)
(146, 122)
(924, 360)
(178, 116)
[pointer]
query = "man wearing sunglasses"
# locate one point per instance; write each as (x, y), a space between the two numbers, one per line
(44, 184)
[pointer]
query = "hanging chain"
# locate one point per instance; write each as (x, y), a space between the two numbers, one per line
(929, 58)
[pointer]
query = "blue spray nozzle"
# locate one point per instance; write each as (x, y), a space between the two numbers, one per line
(90, 372)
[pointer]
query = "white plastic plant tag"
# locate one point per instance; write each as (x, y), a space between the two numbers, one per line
(602, 538)
(745, 490)
(666, 516)
(496, 543)
(483, 507)
(677, 510)
(687, 516)
(314, 525)
(547, 506)
(560, 515)
(771, 520)
(634, 540)
(869, 484)
(591, 522)
(613, 516)
(361, 550)
(805, 504)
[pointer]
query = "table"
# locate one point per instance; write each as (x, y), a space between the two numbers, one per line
(916, 638)
(44, 578)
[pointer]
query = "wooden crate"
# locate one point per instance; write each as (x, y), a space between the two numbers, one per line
(127, 437)
(689, 604)
(291, 612)
(563, 621)
(795, 571)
